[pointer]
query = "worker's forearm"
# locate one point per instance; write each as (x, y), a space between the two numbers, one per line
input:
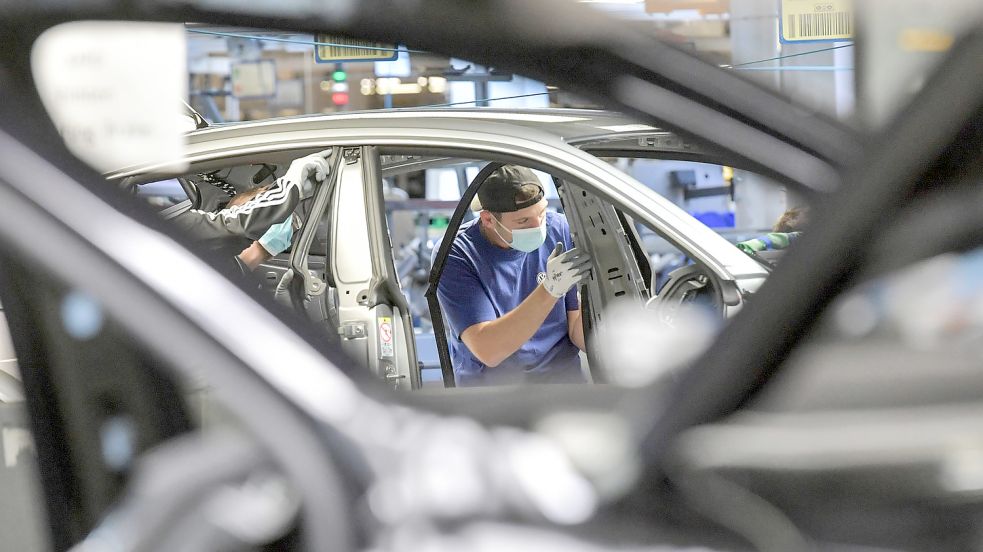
(254, 255)
(250, 220)
(494, 341)
(576, 331)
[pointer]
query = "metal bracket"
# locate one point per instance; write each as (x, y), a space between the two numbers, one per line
(353, 330)
(315, 286)
(351, 156)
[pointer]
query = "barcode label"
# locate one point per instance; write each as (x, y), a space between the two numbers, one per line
(807, 20)
(347, 49)
(819, 25)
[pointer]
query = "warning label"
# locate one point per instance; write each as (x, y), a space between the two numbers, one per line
(385, 337)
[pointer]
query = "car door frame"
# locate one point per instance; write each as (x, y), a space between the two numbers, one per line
(374, 314)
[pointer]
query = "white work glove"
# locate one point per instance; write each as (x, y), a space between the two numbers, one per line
(564, 270)
(302, 169)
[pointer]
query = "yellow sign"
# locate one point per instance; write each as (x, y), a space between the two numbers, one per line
(704, 6)
(332, 49)
(925, 40)
(812, 20)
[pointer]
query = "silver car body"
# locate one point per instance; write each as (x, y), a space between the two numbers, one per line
(547, 138)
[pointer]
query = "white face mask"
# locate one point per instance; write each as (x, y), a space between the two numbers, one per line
(526, 240)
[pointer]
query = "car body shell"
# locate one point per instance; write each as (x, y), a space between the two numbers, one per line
(551, 139)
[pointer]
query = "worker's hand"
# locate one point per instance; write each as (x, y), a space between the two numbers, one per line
(564, 270)
(302, 169)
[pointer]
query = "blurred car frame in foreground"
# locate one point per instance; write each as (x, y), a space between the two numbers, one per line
(774, 439)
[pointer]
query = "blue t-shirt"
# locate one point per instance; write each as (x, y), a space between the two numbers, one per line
(481, 282)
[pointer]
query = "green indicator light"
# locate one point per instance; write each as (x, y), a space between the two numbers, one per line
(339, 76)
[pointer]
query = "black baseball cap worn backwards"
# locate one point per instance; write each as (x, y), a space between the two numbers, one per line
(499, 192)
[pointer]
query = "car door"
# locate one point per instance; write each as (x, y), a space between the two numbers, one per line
(623, 269)
(618, 271)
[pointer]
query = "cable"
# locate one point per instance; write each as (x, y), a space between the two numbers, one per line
(395, 49)
(485, 100)
(794, 68)
(788, 56)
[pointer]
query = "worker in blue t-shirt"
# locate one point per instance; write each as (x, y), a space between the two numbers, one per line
(509, 290)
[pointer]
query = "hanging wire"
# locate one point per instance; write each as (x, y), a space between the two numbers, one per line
(795, 68)
(486, 100)
(787, 56)
(306, 42)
